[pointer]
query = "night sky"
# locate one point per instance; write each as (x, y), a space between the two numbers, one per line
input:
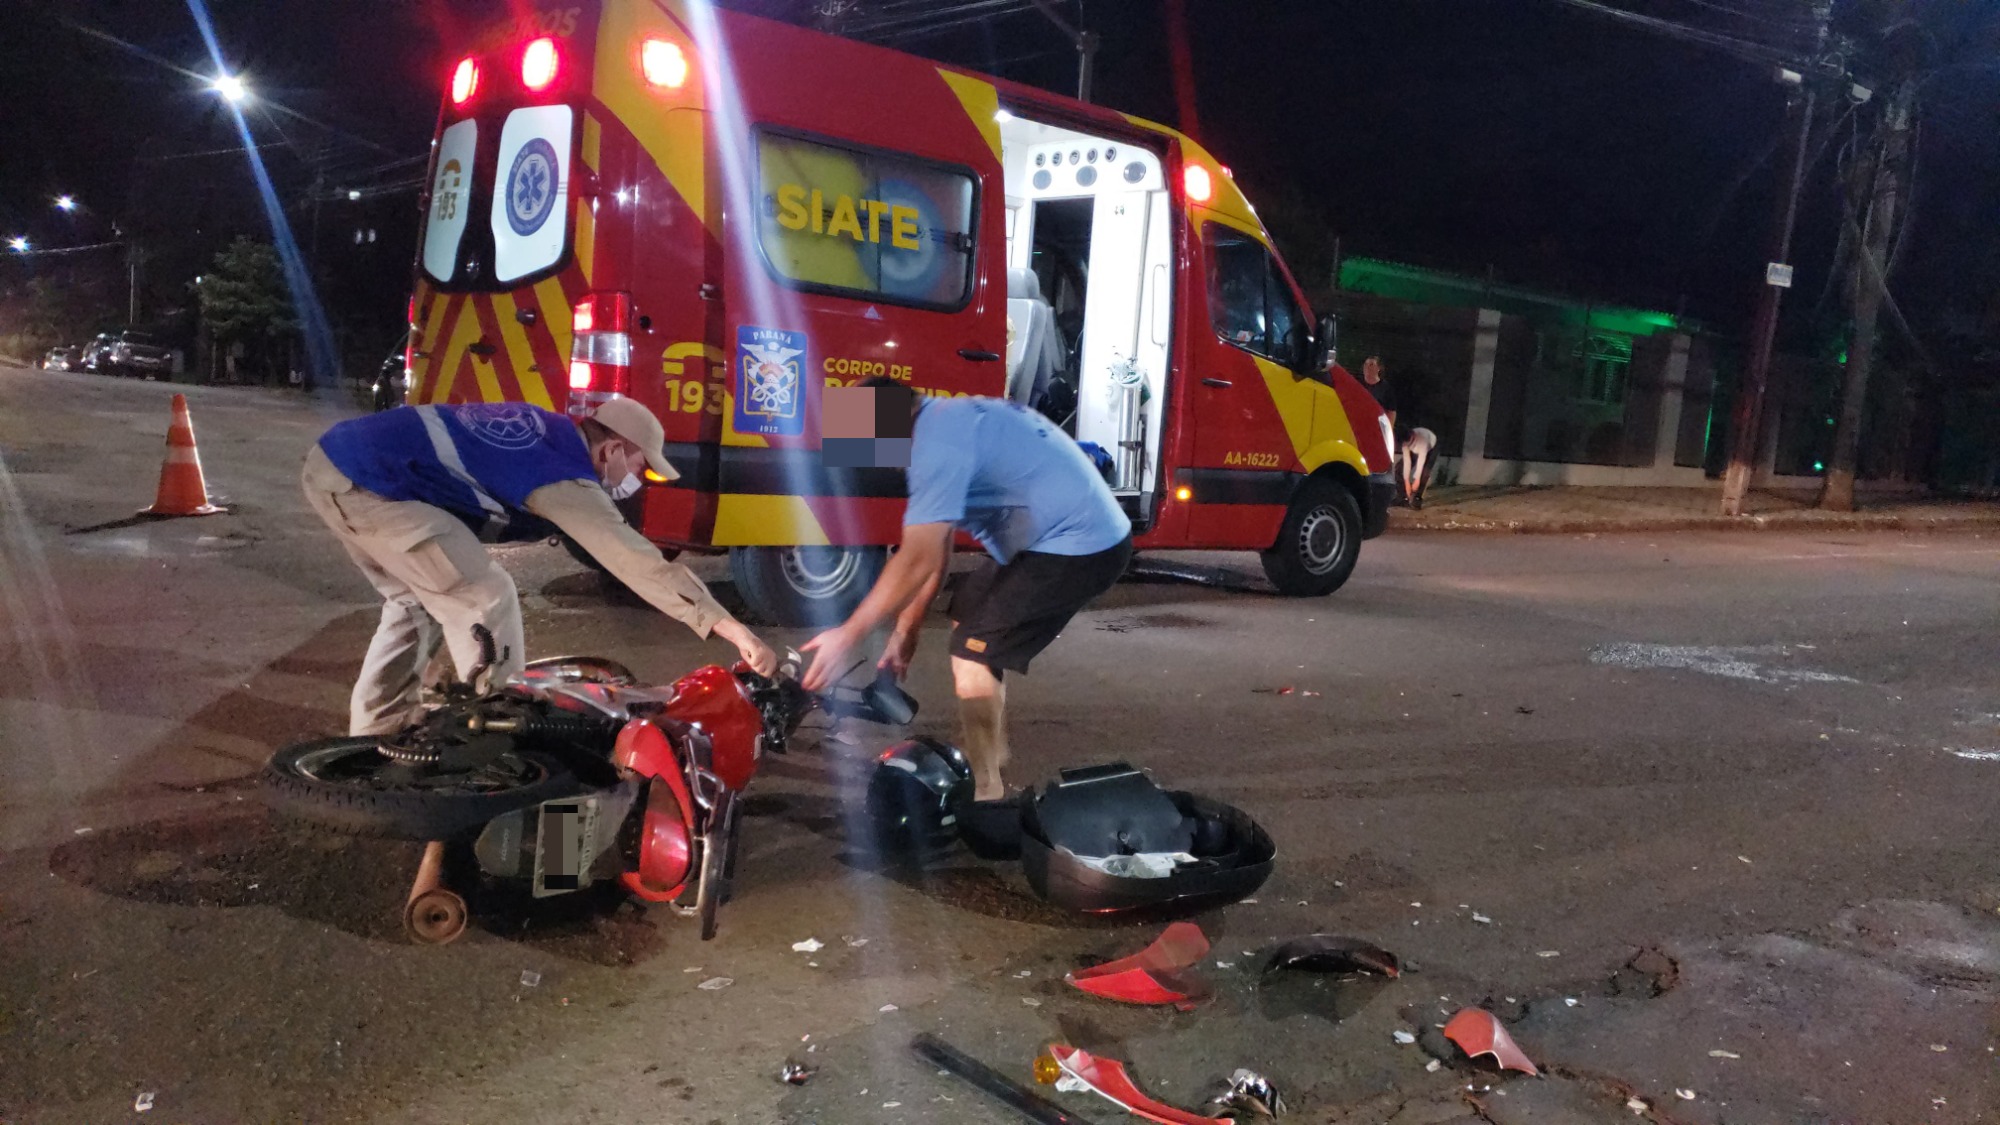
(1554, 147)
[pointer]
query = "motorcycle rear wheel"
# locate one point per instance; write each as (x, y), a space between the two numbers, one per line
(347, 784)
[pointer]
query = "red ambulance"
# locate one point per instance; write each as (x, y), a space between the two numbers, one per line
(722, 215)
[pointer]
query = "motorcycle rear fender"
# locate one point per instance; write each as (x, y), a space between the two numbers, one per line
(665, 834)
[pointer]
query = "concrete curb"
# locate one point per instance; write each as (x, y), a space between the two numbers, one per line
(1787, 521)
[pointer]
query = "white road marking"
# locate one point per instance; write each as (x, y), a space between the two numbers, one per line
(1709, 660)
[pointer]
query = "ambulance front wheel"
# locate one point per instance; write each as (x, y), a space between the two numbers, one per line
(1319, 542)
(805, 587)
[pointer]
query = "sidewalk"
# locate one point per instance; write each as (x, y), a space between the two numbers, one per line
(1565, 510)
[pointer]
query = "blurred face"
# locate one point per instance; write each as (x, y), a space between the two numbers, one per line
(1371, 369)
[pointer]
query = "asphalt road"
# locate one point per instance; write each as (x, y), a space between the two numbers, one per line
(1705, 813)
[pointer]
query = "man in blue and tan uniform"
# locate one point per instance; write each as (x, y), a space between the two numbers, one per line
(1058, 538)
(412, 493)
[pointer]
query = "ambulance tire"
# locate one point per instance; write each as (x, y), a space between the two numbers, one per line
(1318, 543)
(804, 587)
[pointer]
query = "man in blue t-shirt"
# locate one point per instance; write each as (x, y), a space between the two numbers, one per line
(1022, 488)
(413, 492)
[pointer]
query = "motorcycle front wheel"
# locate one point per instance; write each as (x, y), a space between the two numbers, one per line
(349, 785)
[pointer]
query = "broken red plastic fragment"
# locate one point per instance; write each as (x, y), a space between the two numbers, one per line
(1107, 1078)
(1477, 1033)
(1158, 974)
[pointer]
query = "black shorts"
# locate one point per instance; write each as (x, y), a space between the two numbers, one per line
(1004, 616)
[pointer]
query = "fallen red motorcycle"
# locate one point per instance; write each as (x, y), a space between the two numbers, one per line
(570, 773)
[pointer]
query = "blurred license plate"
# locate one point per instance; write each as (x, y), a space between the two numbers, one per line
(565, 846)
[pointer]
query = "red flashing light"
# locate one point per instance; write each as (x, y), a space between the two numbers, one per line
(603, 312)
(600, 354)
(1196, 180)
(663, 63)
(464, 81)
(539, 64)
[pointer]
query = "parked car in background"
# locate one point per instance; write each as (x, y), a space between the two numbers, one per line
(65, 357)
(128, 353)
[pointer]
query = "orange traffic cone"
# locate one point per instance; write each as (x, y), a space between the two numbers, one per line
(182, 492)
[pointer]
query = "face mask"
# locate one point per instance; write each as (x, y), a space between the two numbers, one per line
(624, 488)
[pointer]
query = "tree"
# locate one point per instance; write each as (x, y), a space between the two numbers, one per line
(244, 300)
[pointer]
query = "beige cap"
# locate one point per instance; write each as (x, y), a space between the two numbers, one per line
(629, 419)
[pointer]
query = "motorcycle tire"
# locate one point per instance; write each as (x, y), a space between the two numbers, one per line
(347, 785)
(718, 863)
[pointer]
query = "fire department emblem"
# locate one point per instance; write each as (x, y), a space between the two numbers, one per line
(531, 187)
(770, 381)
(511, 426)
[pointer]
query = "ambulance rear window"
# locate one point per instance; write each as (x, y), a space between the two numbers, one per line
(871, 224)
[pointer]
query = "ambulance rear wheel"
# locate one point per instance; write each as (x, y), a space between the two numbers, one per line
(1319, 542)
(805, 587)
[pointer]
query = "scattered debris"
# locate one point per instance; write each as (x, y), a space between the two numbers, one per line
(1939, 1048)
(1477, 1033)
(810, 945)
(994, 1084)
(1684, 1094)
(1404, 1037)
(890, 1105)
(84, 831)
(1743, 858)
(886, 1008)
(1433, 1066)
(715, 984)
(692, 969)
(1636, 1105)
(1524, 710)
(1481, 918)
(1571, 1001)
(855, 942)
(1107, 1078)
(1225, 964)
(1161, 973)
(796, 1073)
(1024, 974)
(1968, 754)
(144, 1101)
(1548, 953)
(1330, 953)
(1250, 1092)
(530, 978)
(1031, 1002)
(1719, 1054)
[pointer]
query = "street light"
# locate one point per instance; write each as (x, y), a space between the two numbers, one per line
(65, 202)
(231, 88)
(18, 244)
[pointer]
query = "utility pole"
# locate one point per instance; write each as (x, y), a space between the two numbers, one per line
(1875, 195)
(1084, 41)
(1748, 417)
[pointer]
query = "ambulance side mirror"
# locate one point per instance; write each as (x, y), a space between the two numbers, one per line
(1326, 344)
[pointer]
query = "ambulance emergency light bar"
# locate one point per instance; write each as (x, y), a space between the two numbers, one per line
(662, 63)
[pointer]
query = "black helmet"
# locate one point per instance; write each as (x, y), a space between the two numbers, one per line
(915, 794)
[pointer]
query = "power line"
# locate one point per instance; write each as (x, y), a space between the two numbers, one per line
(1751, 49)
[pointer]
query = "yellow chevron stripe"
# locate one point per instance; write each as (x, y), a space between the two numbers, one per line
(556, 314)
(981, 102)
(593, 136)
(667, 124)
(520, 354)
(585, 240)
(429, 344)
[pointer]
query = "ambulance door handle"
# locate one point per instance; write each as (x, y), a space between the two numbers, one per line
(978, 355)
(1212, 381)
